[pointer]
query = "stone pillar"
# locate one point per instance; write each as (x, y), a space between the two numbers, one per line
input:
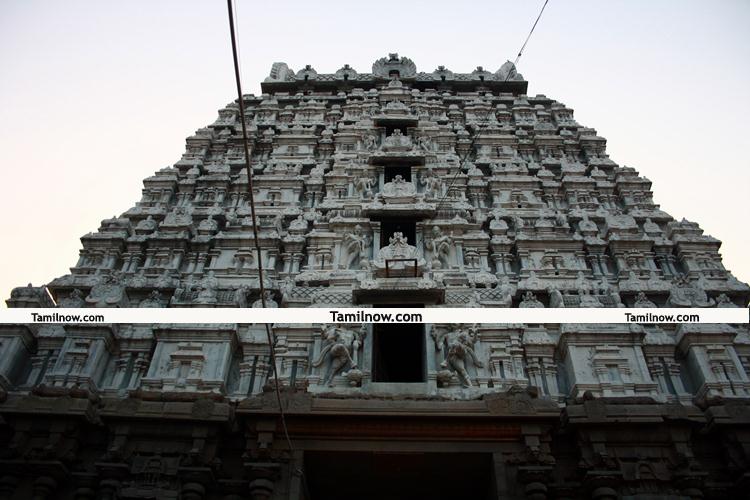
(192, 262)
(39, 365)
(286, 262)
(193, 491)
(533, 478)
(459, 255)
(602, 259)
(108, 489)
(507, 259)
(127, 262)
(500, 476)
(84, 493)
(43, 488)
(271, 261)
(375, 238)
(594, 263)
(8, 485)
(135, 262)
(604, 493)
(201, 262)
(296, 260)
(311, 258)
(121, 368)
(673, 371)
(670, 262)
(176, 259)
(497, 262)
(261, 489)
(140, 367)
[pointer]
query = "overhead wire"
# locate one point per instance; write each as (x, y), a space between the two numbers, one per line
(529, 35)
(269, 332)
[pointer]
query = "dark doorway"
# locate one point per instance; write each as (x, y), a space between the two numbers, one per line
(396, 476)
(402, 126)
(390, 172)
(398, 353)
(408, 227)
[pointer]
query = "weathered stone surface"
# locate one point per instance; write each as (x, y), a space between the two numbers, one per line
(437, 189)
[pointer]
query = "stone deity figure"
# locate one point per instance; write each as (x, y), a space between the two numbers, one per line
(370, 142)
(240, 296)
(278, 224)
(529, 300)
(724, 301)
(498, 224)
(651, 228)
(153, 300)
(457, 347)
(555, 298)
(432, 184)
(683, 293)
(397, 141)
(270, 302)
(286, 288)
(74, 299)
(209, 224)
(342, 346)
(147, 224)
(506, 291)
(139, 280)
(440, 246)
(231, 217)
(363, 186)
(399, 190)
(207, 289)
(425, 143)
(588, 300)
(298, 225)
(109, 292)
(356, 244)
(642, 301)
(318, 171)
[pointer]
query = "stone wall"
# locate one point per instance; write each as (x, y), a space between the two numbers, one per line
(391, 187)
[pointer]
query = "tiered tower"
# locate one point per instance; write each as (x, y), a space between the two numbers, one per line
(387, 188)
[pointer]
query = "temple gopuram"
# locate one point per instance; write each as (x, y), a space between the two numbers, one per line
(387, 188)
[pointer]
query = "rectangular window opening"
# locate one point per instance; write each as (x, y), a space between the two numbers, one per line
(398, 353)
(391, 171)
(407, 227)
(402, 126)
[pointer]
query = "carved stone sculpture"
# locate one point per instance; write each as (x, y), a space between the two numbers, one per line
(270, 302)
(457, 346)
(397, 250)
(399, 188)
(440, 248)
(357, 245)
(686, 294)
(530, 300)
(109, 292)
(341, 346)
(509, 200)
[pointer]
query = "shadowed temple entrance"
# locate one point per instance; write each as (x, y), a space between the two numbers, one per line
(398, 476)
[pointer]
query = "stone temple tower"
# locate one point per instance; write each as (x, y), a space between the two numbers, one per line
(385, 188)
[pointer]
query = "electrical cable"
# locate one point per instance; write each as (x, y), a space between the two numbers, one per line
(269, 334)
(529, 35)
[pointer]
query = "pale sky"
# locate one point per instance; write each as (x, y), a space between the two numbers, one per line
(97, 95)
